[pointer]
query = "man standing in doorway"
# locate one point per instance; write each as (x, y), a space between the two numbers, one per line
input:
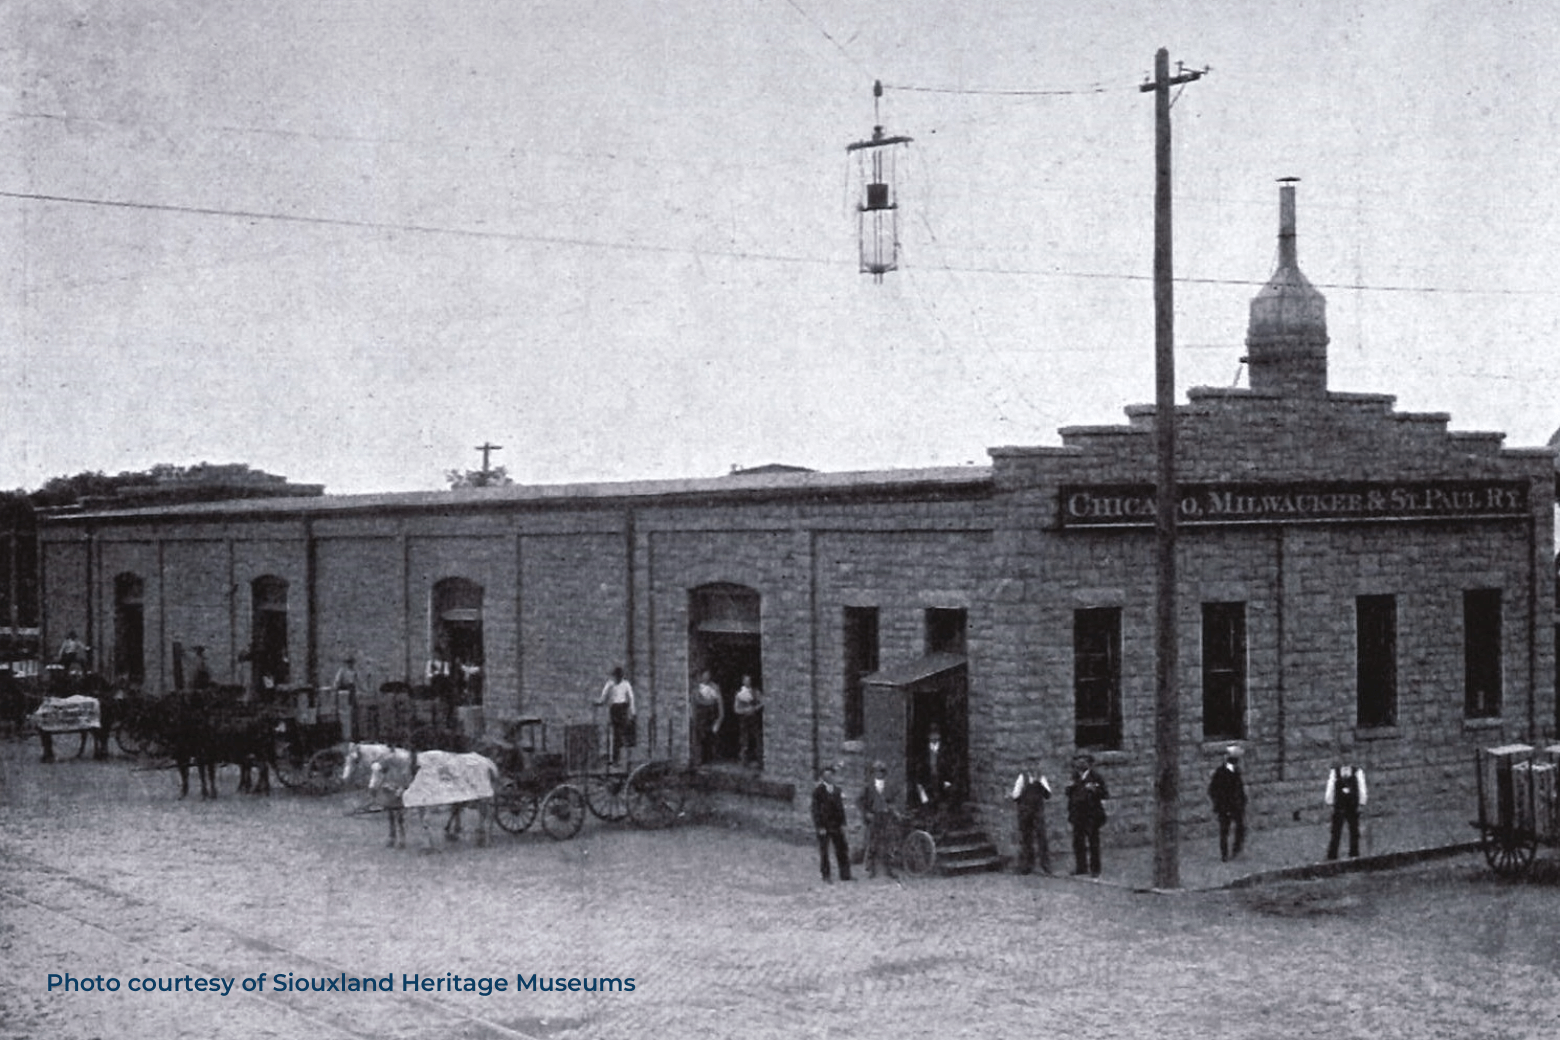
(708, 713)
(618, 695)
(749, 706)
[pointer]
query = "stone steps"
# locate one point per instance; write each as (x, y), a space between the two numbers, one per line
(966, 850)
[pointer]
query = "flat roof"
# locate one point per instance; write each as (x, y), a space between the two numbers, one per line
(753, 485)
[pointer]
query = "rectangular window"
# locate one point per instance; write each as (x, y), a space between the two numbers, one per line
(861, 659)
(1224, 671)
(1376, 661)
(1481, 653)
(1097, 677)
(945, 630)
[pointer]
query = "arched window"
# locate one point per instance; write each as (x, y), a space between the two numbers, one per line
(456, 638)
(269, 666)
(129, 628)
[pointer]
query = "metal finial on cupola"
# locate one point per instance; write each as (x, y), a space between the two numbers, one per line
(1286, 339)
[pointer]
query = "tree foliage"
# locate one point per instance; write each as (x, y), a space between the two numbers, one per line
(498, 476)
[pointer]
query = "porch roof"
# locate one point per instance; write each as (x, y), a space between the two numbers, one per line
(919, 670)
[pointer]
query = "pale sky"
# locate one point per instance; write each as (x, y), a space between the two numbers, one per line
(349, 240)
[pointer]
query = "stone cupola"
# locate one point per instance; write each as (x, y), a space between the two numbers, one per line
(1286, 342)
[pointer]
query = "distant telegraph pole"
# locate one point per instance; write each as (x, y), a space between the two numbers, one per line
(487, 449)
(1167, 716)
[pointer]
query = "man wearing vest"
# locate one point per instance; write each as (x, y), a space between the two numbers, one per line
(1346, 795)
(1030, 792)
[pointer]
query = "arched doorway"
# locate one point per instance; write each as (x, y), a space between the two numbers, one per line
(724, 639)
(456, 640)
(269, 666)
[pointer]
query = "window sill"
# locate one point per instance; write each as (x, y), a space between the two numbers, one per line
(1218, 746)
(1483, 722)
(1377, 733)
(1104, 758)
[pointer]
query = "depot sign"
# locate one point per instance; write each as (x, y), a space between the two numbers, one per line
(1132, 505)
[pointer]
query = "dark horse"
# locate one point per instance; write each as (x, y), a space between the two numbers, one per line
(206, 728)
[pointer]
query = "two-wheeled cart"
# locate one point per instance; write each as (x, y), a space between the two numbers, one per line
(1519, 804)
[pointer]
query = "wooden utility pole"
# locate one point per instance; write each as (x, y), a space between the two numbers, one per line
(487, 448)
(1167, 705)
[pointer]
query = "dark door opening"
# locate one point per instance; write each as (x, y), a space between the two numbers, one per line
(937, 741)
(129, 630)
(724, 639)
(728, 657)
(268, 662)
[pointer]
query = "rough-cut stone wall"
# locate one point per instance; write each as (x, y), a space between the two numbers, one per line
(1299, 582)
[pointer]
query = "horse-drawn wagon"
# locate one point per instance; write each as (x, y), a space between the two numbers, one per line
(560, 787)
(1519, 804)
(308, 737)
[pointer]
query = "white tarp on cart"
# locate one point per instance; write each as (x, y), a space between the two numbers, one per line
(67, 714)
(445, 777)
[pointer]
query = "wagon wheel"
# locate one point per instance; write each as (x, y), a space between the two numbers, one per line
(514, 807)
(133, 741)
(655, 795)
(918, 852)
(1508, 850)
(563, 812)
(322, 773)
(287, 762)
(607, 795)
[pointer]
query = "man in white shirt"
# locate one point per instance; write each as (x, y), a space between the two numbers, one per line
(1030, 793)
(618, 695)
(1346, 795)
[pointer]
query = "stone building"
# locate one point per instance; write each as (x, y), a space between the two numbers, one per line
(1350, 577)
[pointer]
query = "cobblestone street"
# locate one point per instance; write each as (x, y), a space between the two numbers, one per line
(725, 933)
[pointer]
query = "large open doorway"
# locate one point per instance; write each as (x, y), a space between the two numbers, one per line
(458, 652)
(724, 640)
(268, 662)
(129, 629)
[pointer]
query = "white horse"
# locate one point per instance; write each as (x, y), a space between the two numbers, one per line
(390, 772)
(400, 779)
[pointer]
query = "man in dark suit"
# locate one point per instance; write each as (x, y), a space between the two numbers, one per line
(1227, 791)
(935, 785)
(880, 808)
(1086, 813)
(828, 817)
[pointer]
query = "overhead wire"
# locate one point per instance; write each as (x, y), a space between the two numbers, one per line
(737, 254)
